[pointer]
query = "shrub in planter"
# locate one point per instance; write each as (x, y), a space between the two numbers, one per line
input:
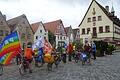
(110, 48)
(100, 46)
(98, 53)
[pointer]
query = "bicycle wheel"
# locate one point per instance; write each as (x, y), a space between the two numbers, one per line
(1, 69)
(21, 69)
(49, 66)
(76, 60)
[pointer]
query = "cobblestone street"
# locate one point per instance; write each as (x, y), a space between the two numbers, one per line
(104, 68)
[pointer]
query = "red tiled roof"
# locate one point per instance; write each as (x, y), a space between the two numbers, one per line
(35, 26)
(52, 26)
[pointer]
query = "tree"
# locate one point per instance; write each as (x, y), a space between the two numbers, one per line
(78, 44)
(51, 38)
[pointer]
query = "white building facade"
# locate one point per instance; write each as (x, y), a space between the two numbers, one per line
(99, 24)
(39, 31)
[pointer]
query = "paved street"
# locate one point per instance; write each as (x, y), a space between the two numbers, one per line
(105, 68)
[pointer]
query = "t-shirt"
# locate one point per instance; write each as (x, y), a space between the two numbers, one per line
(86, 48)
(28, 53)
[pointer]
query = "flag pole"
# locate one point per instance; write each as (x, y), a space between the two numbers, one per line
(19, 39)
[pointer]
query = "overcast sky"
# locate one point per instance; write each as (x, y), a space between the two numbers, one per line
(70, 12)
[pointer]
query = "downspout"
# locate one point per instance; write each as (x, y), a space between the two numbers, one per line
(113, 31)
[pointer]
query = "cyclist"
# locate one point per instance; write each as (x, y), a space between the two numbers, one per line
(28, 54)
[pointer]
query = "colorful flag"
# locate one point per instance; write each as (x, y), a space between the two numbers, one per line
(47, 47)
(5, 60)
(38, 44)
(10, 44)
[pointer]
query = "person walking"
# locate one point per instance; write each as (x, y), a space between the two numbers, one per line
(69, 51)
(94, 50)
(18, 58)
(87, 49)
(64, 55)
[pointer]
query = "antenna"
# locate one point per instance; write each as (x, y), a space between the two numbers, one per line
(112, 2)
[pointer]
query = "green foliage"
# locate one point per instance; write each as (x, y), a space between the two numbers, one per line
(78, 44)
(103, 47)
(51, 38)
(98, 53)
(110, 48)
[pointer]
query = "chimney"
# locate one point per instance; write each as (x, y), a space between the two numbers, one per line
(107, 8)
(4, 17)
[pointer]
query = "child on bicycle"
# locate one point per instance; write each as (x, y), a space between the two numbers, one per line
(83, 57)
(77, 55)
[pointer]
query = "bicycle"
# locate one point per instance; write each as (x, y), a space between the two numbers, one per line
(57, 59)
(83, 58)
(24, 65)
(39, 61)
(77, 56)
(50, 60)
(1, 69)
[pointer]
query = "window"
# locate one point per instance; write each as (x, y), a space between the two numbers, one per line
(40, 31)
(6, 33)
(1, 23)
(23, 36)
(64, 38)
(89, 20)
(94, 23)
(101, 29)
(45, 38)
(45, 33)
(99, 18)
(83, 31)
(1, 32)
(36, 37)
(61, 37)
(88, 30)
(23, 22)
(117, 30)
(94, 18)
(107, 28)
(58, 37)
(28, 36)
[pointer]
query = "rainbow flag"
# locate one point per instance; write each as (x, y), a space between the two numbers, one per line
(10, 44)
(5, 60)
